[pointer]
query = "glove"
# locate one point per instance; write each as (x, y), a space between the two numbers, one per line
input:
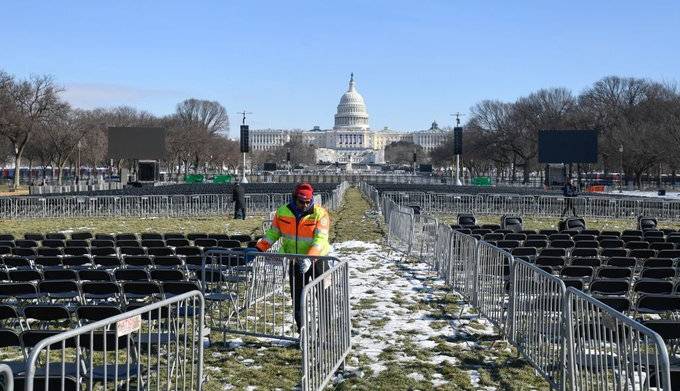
(303, 265)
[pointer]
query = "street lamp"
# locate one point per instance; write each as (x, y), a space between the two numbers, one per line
(78, 164)
(621, 171)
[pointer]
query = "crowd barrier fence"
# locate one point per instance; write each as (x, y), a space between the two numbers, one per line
(6, 378)
(538, 332)
(159, 345)
(608, 350)
(262, 294)
(326, 326)
(538, 205)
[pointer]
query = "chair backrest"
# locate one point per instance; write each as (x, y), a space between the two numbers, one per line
(653, 286)
(132, 251)
(47, 261)
(592, 262)
(76, 260)
(619, 303)
(577, 271)
(642, 253)
(490, 236)
(53, 243)
(657, 262)
(553, 252)
(76, 251)
(658, 273)
(25, 275)
(149, 243)
(174, 235)
(615, 272)
(197, 235)
(167, 261)
(126, 236)
(550, 261)
(160, 251)
(131, 275)
(102, 236)
(138, 260)
(615, 252)
(586, 244)
(584, 252)
(612, 243)
(127, 243)
(95, 275)
(537, 243)
(658, 303)
(81, 235)
(103, 251)
(93, 313)
(102, 243)
(609, 287)
(151, 236)
(34, 236)
(668, 253)
(60, 274)
(179, 242)
(562, 243)
(622, 261)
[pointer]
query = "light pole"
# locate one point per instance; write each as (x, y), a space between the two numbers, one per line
(78, 164)
(621, 171)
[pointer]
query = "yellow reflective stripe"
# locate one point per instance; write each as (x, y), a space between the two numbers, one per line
(299, 238)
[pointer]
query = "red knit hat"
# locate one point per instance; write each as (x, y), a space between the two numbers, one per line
(304, 191)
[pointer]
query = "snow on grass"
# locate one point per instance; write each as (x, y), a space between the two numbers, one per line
(406, 331)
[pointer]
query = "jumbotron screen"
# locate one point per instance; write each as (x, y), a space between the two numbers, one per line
(136, 143)
(567, 146)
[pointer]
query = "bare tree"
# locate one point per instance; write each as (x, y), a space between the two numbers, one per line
(27, 104)
(209, 115)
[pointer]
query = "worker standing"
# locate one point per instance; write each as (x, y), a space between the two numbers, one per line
(303, 228)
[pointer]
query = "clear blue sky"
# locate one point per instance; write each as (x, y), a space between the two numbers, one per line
(288, 62)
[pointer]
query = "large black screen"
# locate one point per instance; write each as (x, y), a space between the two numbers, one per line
(567, 146)
(137, 143)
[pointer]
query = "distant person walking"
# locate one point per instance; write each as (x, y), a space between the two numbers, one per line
(570, 192)
(238, 196)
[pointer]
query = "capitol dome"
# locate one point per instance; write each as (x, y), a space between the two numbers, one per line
(352, 114)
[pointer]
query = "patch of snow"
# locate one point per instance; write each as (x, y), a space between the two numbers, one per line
(416, 376)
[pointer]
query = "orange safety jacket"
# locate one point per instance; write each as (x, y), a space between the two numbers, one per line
(307, 235)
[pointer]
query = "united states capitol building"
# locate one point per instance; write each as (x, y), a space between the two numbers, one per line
(351, 139)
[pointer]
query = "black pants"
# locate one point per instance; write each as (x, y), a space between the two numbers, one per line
(569, 205)
(240, 213)
(297, 282)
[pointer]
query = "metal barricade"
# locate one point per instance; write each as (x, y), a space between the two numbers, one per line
(425, 238)
(251, 293)
(6, 378)
(156, 346)
(537, 324)
(400, 230)
(326, 326)
(461, 266)
(492, 284)
(610, 351)
(442, 250)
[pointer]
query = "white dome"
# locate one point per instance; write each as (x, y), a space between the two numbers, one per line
(352, 114)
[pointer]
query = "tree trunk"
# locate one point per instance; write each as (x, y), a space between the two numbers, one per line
(17, 170)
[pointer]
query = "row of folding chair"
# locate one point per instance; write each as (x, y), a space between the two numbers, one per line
(52, 257)
(125, 236)
(530, 253)
(73, 293)
(146, 243)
